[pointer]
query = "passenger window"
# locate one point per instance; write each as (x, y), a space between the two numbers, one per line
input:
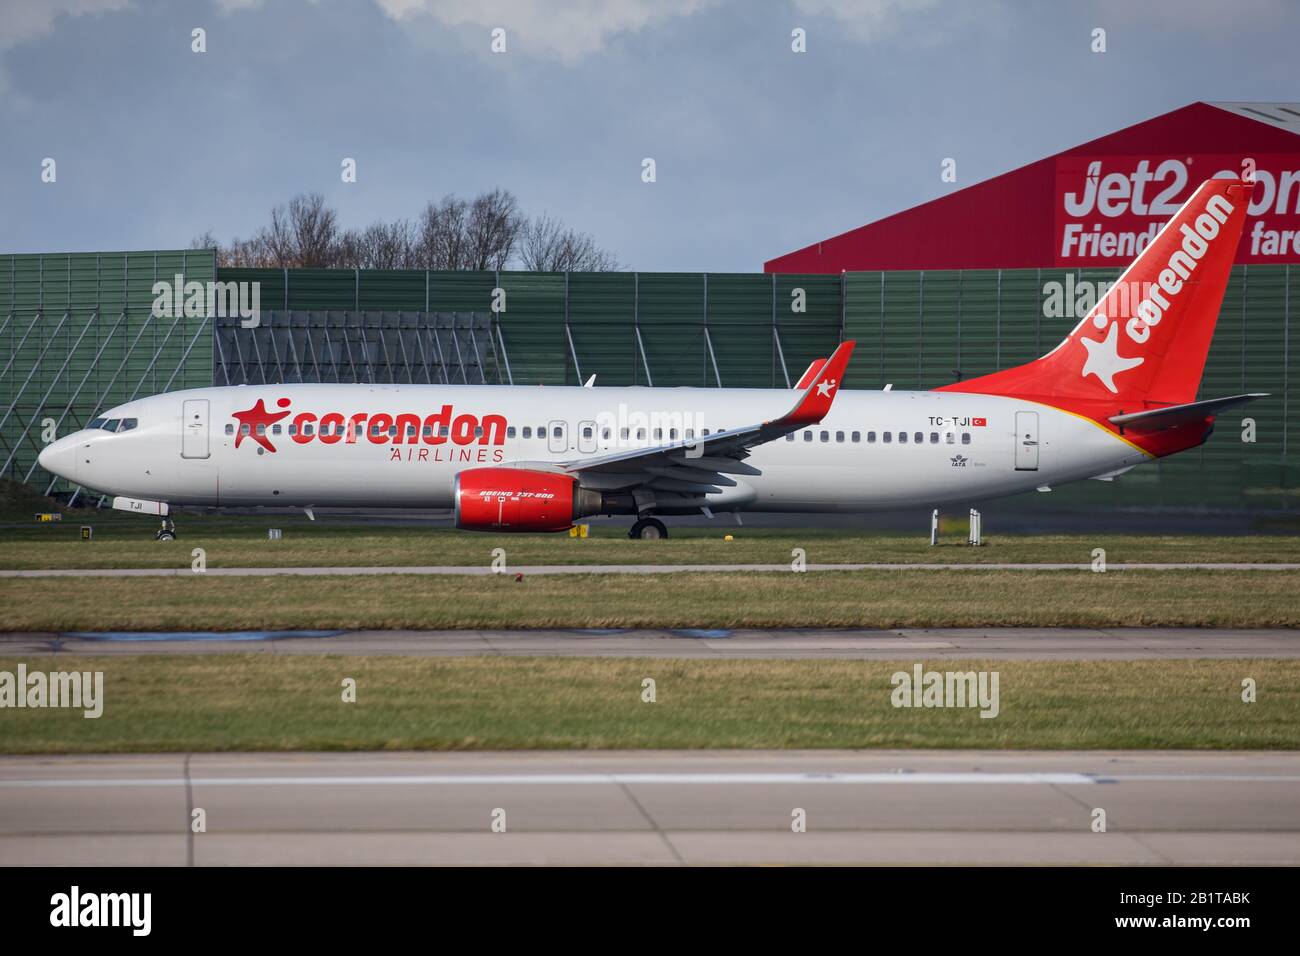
(886, 437)
(902, 438)
(839, 436)
(672, 434)
(934, 438)
(622, 434)
(807, 436)
(587, 432)
(857, 437)
(826, 436)
(427, 431)
(918, 437)
(605, 433)
(556, 432)
(965, 438)
(510, 431)
(640, 434)
(392, 431)
(230, 429)
(690, 433)
(243, 429)
(275, 429)
(790, 437)
(261, 429)
(528, 431)
(871, 438)
(307, 429)
(659, 433)
(443, 431)
(293, 429)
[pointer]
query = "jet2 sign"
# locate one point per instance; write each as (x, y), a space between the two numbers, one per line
(1109, 208)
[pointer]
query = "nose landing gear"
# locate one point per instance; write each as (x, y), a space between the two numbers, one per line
(648, 529)
(167, 532)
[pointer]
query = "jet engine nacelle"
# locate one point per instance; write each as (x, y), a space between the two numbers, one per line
(516, 499)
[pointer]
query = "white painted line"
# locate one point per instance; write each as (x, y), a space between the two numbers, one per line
(565, 779)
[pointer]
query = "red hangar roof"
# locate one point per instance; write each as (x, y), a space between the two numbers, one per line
(1096, 205)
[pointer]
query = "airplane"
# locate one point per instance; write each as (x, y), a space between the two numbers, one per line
(1118, 391)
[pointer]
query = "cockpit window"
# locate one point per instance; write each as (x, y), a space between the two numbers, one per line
(128, 424)
(96, 423)
(111, 424)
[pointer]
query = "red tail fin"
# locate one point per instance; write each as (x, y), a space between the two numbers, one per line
(1147, 338)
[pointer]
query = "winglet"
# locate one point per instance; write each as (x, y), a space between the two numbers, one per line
(807, 377)
(816, 400)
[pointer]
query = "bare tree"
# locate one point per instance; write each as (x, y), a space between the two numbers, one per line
(303, 233)
(440, 241)
(487, 232)
(493, 229)
(545, 245)
(379, 246)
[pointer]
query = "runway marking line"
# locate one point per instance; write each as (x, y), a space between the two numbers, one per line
(571, 779)
(618, 779)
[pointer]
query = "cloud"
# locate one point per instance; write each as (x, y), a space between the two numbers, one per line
(567, 32)
(26, 20)
(920, 24)
(230, 6)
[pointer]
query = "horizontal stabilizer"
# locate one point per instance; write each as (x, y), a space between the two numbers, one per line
(1156, 419)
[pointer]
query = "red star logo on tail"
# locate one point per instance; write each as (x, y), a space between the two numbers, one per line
(255, 416)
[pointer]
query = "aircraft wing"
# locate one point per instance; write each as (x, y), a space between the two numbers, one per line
(701, 465)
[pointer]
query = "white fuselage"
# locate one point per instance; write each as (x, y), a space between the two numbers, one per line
(182, 448)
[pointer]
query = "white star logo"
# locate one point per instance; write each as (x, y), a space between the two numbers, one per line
(824, 387)
(1104, 359)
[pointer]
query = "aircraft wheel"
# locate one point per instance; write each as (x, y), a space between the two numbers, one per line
(165, 535)
(648, 529)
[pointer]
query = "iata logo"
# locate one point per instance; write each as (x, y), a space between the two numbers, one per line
(410, 428)
(1104, 360)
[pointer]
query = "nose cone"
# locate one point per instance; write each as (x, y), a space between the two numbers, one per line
(60, 458)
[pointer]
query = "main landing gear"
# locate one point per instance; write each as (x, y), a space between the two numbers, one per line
(167, 532)
(650, 529)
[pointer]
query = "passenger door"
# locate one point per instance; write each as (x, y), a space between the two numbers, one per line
(194, 428)
(586, 437)
(557, 439)
(1026, 441)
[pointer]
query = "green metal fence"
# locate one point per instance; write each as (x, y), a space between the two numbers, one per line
(78, 333)
(739, 330)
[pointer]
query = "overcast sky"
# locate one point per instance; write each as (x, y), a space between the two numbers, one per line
(758, 150)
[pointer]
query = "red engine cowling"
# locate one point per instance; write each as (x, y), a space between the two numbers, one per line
(515, 499)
